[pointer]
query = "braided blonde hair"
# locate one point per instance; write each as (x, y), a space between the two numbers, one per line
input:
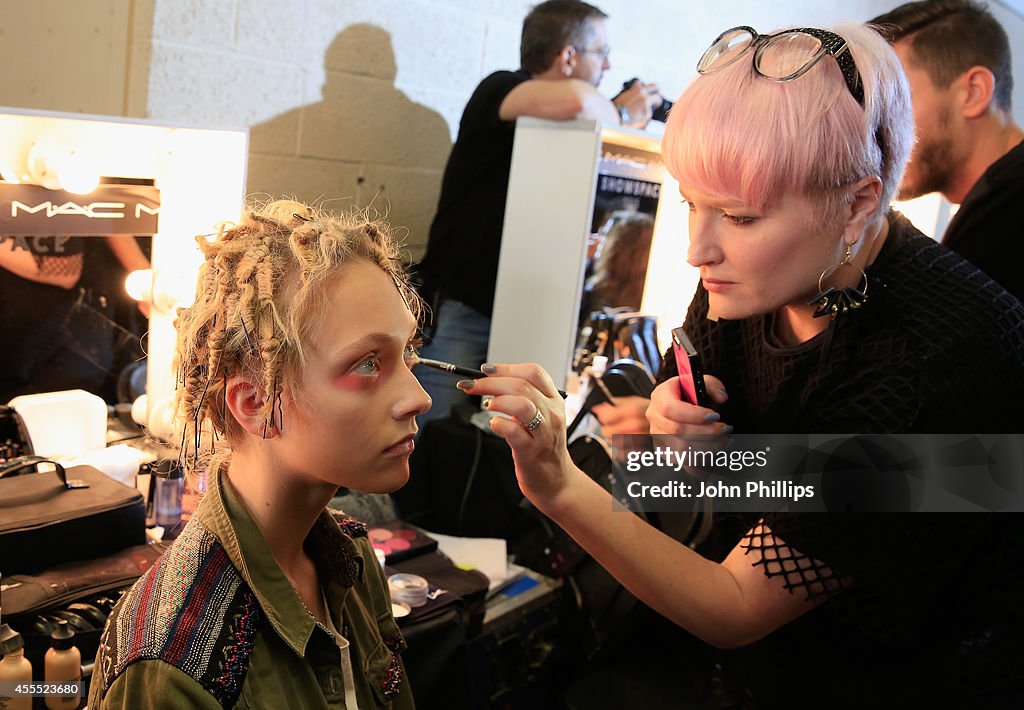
(260, 295)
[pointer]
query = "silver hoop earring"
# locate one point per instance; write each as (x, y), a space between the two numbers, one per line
(836, 302)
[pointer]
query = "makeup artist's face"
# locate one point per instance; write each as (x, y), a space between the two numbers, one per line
(756, 261)
(352, 422)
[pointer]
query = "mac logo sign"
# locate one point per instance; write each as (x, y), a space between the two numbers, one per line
(124, 209)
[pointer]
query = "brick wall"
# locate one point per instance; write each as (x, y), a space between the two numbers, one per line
(356, 102)
(353, 102)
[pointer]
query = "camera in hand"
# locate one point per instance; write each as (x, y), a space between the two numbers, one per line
(659, 113)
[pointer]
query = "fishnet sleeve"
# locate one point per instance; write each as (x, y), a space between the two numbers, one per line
(55, 266)
(899, 571)
(801, 573)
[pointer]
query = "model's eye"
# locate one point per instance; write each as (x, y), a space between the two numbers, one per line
(369, 365)
(412, 349)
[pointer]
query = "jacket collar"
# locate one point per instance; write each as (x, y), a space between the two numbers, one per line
(337, 558)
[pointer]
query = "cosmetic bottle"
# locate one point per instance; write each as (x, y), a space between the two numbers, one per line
(63, 663)
(593, 372)
(14, 667)
(170, 485)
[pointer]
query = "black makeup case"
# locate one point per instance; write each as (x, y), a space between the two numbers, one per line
(54, 515)
(81, 593)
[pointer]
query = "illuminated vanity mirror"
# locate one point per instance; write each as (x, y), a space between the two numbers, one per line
(626, 199)
(84, 202)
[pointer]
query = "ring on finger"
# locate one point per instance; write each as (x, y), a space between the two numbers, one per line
(536, 421)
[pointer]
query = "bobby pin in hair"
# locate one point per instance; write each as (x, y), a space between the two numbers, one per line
(184, 438)
(245, 330)
(280, 411)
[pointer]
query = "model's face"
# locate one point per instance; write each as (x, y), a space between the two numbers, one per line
(352, 421)
(755, 261)
(592, 59)
(933, 159)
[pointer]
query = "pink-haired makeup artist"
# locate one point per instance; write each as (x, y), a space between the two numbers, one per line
(819, 310)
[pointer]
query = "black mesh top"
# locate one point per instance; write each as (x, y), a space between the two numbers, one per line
(915, 605)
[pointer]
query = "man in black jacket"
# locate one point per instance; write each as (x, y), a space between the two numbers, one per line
(957, 59)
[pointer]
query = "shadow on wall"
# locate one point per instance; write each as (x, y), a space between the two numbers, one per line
(365, 143)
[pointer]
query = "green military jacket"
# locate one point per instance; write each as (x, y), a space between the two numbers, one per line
(215, 623)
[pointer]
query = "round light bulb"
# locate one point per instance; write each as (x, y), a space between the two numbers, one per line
(160, 418)
(139, 284)
(42, 159)
(140, 410)
(76, 173)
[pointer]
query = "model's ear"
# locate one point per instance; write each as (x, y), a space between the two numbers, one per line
(978, 86)
(245, 398)
(867, 193)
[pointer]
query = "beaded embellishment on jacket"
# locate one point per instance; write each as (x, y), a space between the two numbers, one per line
(192, 610)
(348, 567)
(352, 527)
(392, 683)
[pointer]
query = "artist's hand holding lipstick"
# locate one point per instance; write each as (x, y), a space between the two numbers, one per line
(533, 426)
(669, 414)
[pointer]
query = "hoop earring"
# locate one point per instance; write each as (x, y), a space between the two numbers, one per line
(837, 302)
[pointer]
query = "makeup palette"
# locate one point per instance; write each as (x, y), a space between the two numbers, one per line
(399, 541)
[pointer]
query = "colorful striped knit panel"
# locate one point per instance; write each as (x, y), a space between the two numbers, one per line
(192, 610)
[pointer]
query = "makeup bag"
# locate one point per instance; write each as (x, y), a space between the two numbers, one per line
(81, 593)
(53, 516)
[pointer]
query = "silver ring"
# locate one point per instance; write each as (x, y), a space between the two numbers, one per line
(536, 421)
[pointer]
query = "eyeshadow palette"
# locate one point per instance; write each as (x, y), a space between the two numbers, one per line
(399, 541)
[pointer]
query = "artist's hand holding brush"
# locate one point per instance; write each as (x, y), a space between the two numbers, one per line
(533, 425)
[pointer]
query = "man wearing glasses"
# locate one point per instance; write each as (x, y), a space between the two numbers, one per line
(957, 59)
(564, 53)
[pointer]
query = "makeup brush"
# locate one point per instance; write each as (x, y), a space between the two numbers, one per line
(458, 370)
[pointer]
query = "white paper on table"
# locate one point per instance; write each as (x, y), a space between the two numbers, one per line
(486, 554)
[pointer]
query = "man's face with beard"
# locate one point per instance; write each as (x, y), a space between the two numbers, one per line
(933, 160)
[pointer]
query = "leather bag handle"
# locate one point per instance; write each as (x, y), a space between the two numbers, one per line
(23, 462)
